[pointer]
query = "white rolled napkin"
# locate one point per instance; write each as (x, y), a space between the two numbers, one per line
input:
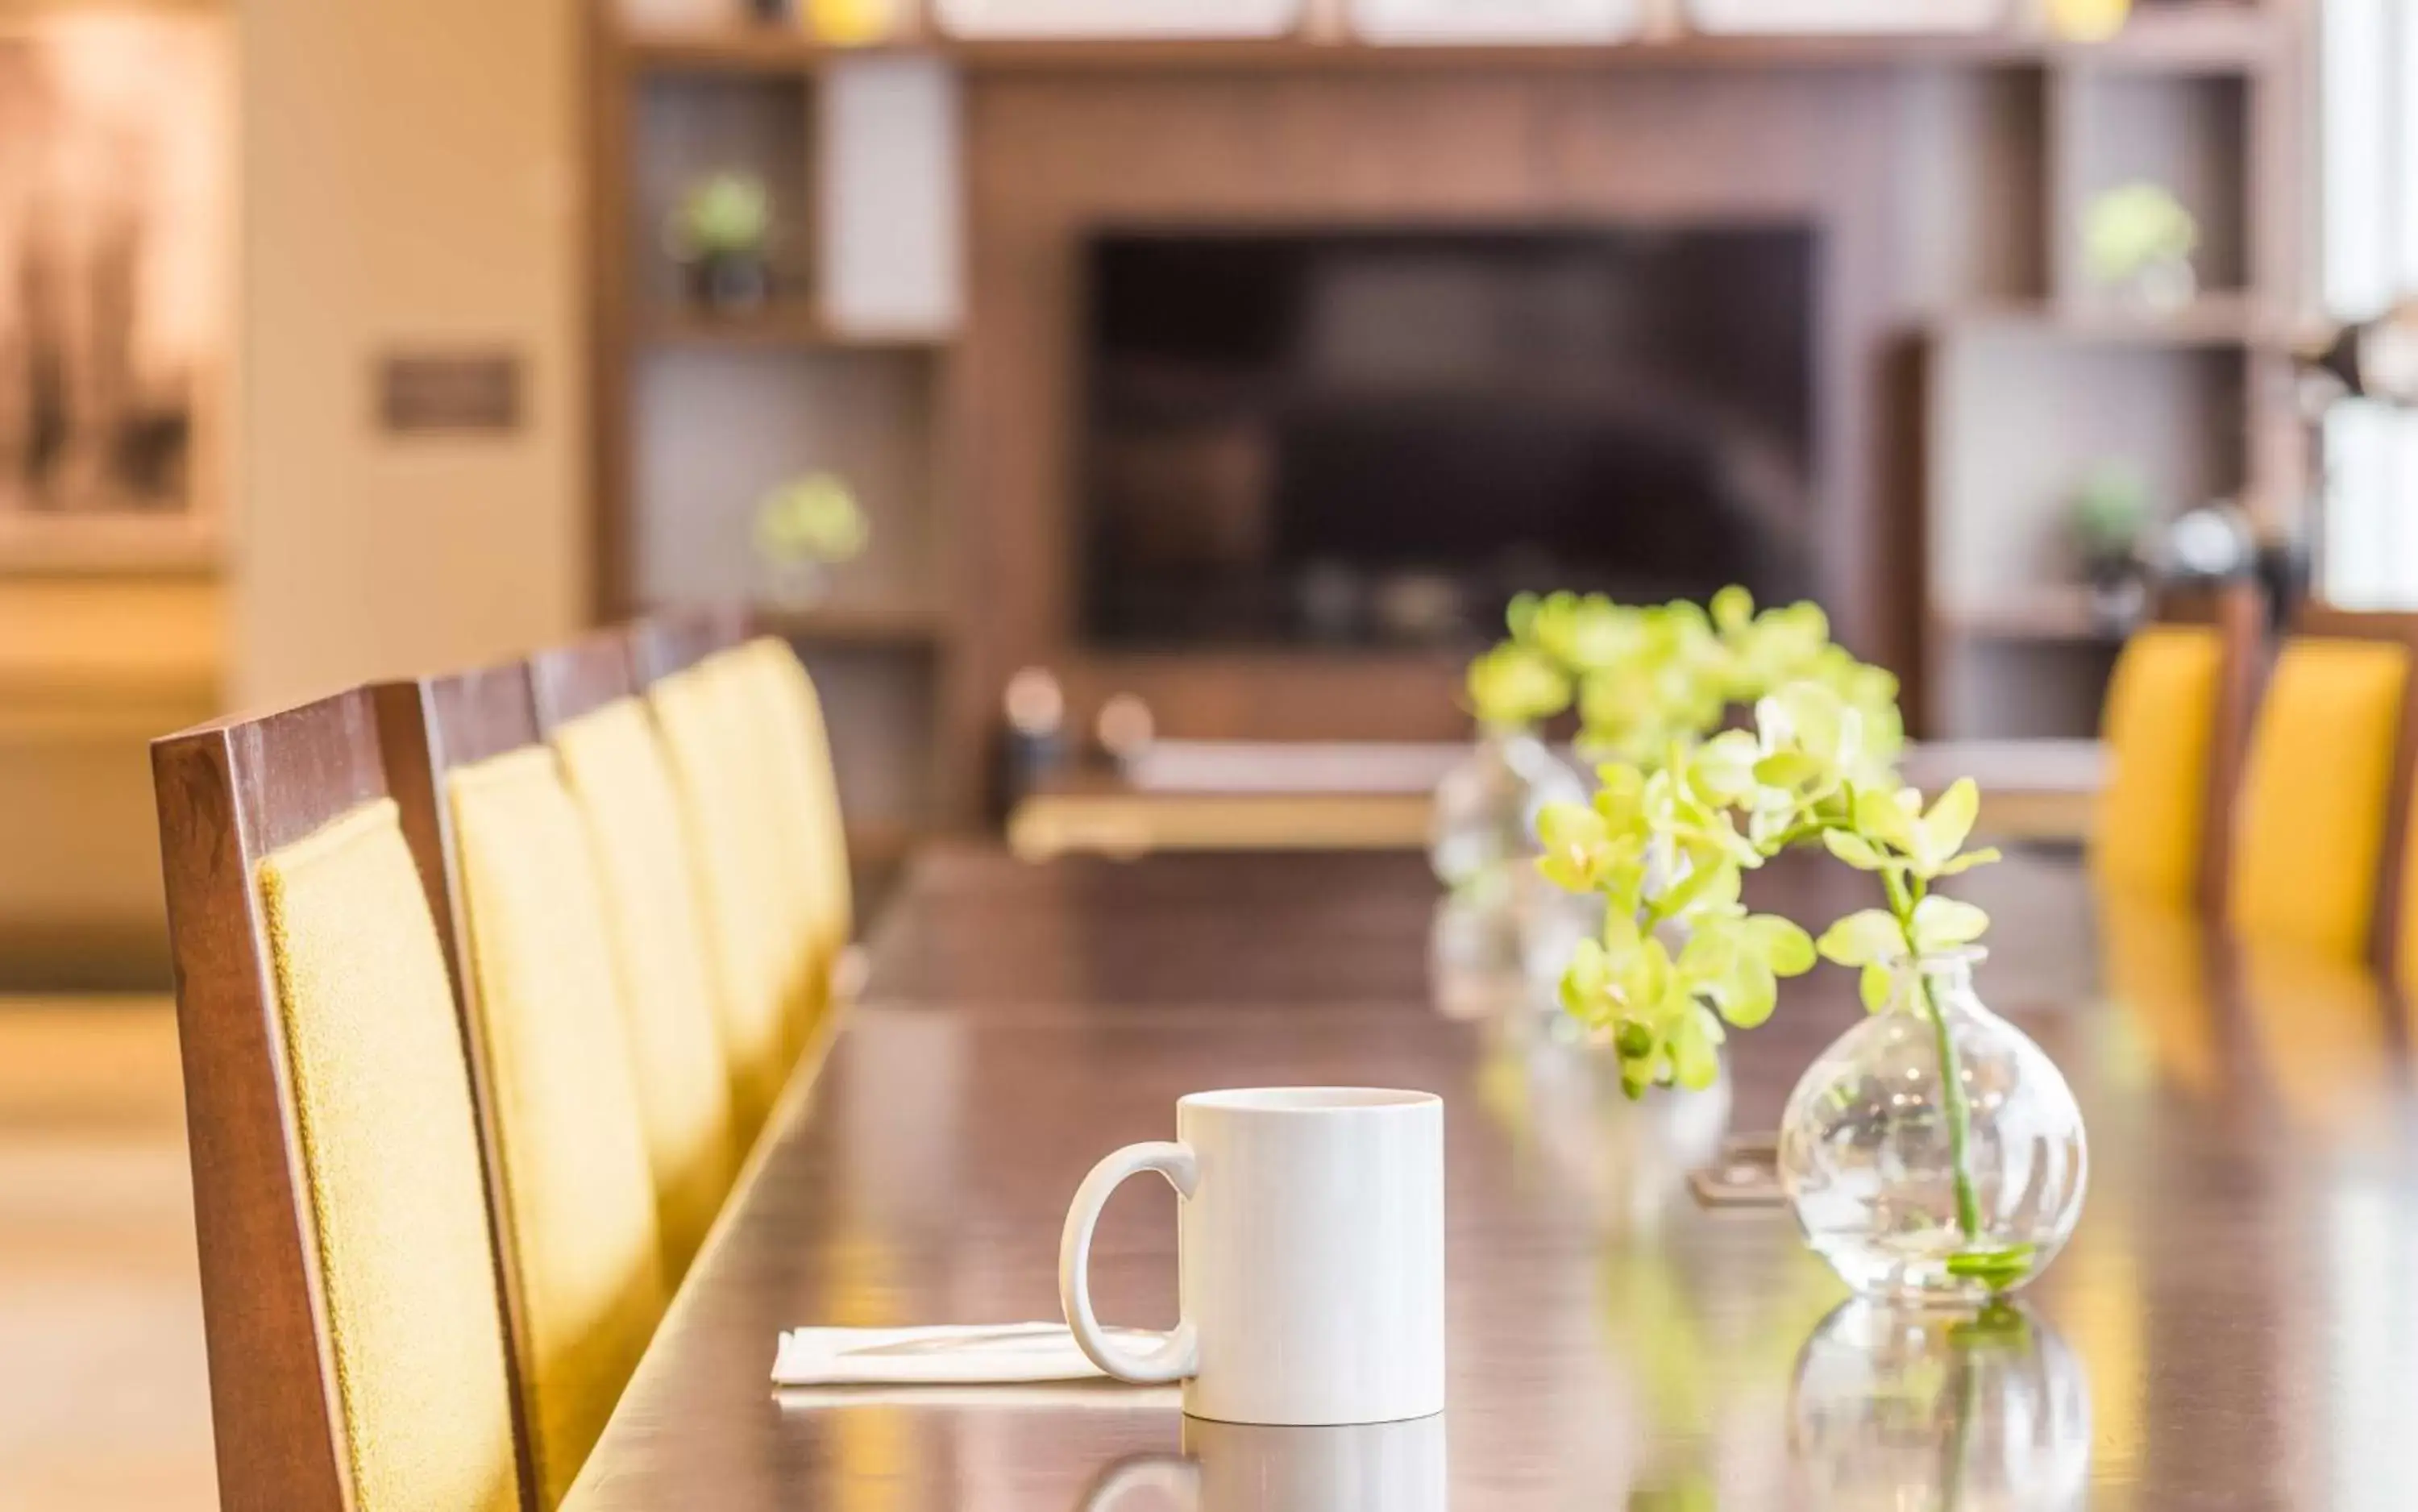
(956, 1355)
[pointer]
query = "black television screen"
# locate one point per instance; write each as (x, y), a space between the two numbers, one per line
(1377, 437)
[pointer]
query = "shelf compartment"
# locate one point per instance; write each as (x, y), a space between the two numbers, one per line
(791, 325)
(864, 622)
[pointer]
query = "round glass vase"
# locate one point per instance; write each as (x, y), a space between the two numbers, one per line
(1934, 1153)
(1485, 806)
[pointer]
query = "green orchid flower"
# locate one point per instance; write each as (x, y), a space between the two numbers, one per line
(1515, 686)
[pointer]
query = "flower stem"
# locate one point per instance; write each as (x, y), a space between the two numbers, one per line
(1960, 1113)
(1903, 901)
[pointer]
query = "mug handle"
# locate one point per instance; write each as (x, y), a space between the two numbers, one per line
(1173, 1477)
(1176, 1354)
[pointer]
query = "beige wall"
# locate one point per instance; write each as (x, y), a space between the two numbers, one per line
(410, 180)
(90, 669)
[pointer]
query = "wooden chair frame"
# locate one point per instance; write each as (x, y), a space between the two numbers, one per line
(229, 793)
(428, 727)
(676, 640)
(2238, 613)
(569, 681)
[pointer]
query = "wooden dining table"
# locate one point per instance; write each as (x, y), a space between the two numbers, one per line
(2234, 1326)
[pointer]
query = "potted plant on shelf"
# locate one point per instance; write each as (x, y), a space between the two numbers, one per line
(2138, 239)
(722, 236)
(805, 529)
(2106, 516)
(1934, 1152)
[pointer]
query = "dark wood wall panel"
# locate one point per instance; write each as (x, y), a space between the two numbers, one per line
(1051, 154)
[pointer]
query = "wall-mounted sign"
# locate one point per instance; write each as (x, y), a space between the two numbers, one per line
(1496, 20)
(439, 393)
(1106, 18)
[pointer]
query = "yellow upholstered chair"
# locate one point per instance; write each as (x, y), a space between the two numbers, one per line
(359, 1357)
(2319, 794)
(748, 937)
(618, 774)
(801, 793)
(584, 1253)
(2173, 725)
(2159, 728)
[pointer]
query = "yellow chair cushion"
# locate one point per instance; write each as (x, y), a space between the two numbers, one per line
(776, 853)
(2160, 727)
(806, 740)
(777, 704)
(746, 936)
(2315, 795)
(579, 1192)
(391, 1162)
(616, 771)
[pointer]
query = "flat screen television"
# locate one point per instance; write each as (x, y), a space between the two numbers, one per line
(1376, 437)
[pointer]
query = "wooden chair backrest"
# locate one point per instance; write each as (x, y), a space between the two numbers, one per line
(229, 793)
(428, 726)
(567, 681)
(433, 728)
(675, 639)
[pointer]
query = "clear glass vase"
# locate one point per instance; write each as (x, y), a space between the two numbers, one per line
(1915, 1408)
(1485, 806)
(1922, 1186)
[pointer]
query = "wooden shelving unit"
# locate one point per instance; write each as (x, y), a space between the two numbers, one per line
(2229, 319)
(2015, 130)
(895, 623)
(2031, 384)
(779, 326)
(2051, 616)
(2182, 40)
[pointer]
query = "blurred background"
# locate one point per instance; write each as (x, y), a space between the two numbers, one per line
(1062, 374)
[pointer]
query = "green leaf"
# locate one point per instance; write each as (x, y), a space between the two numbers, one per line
(1789, 770)
(1854, 849)
(1694, 1063)
(1889, 817)
(1733, 609)
(1941, 833)
(1750, 994)
(1587, 982)
(1862, 938)
(1515, 685)
(1997, 1269)
(1707, 874)
(1784, 945)
(1944, 923)
(1621, 796)
(1876, 984)
(1520, 615)
(1971, 858)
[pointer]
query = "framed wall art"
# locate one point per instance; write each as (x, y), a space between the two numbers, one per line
(115, 237)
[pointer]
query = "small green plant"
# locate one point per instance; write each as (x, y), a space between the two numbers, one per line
(726, 214)
(813, 520)
(2108, 512)
(1672, 845)
(2134, 228)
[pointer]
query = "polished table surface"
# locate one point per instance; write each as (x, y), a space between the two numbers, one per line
(2235, 1324)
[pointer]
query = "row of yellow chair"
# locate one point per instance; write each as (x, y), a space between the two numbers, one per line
(485, 983)
(2305, 848)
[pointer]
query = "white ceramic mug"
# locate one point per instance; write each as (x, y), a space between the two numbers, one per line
(1233, 1467)
(1310, 1255)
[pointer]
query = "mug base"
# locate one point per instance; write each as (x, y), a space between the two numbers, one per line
(1255, 1421)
